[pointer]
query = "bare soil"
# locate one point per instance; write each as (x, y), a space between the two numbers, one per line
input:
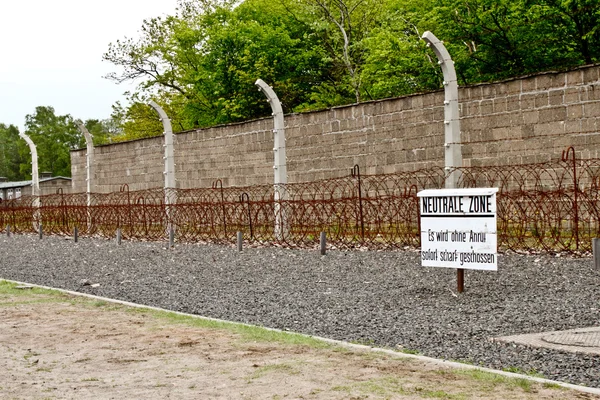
(63, 347)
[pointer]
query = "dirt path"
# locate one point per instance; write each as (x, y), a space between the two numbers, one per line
(55, 346)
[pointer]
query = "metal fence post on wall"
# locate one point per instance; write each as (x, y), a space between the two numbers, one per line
(280, 162)
(452, 143)
(169, 158)
(35, 180)
(89, 161)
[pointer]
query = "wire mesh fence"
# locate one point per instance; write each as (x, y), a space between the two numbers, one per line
(553, 206)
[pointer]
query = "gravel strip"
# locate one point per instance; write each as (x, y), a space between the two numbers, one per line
(383, 298)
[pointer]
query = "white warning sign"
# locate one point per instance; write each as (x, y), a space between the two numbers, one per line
(458, 228)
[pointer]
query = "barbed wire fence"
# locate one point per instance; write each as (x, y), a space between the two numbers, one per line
(552, 206)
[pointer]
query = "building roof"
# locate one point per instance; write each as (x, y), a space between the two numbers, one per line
(19, 184)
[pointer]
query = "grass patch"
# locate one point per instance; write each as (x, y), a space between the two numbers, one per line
(555, 386)
(10, 289)
(525, 385)
(440, 394)
(248, 333)
(517, 370)
(30, 354)
(364, 342)
(284, 368)
(390, 386)
(409, 351)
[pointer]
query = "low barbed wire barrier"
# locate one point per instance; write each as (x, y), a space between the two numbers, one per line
(552, 206)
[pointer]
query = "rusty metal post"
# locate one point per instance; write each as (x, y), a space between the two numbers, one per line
(40, 230)
(565, 158)
(280, 161)
(460, 280)
(452, 145)
(355, 172)
(218, 184)
(8, 230)
(118, 236)
(244, 197)
(75, 234)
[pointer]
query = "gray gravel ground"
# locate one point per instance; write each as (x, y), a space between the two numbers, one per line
(384, 298)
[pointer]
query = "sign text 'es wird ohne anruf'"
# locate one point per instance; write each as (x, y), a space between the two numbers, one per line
(458, 228)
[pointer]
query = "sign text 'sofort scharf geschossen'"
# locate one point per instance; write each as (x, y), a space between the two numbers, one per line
(458, 228)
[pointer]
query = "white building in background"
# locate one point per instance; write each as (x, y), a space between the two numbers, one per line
(48, 185)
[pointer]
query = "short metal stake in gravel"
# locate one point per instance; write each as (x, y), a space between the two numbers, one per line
(171, 238)
(8, 230)
(41, 230)
(596, 252)
(75, 234)
(323, 243)
(118, 236)
(460, 280)
(240, 238)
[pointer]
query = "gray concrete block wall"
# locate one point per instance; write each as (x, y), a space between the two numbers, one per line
(525, 120)
(138, 164)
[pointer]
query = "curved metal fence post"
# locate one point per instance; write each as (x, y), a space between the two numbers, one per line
(452, 143)
(35, 180)
(280, 163)
(89, 161)
(169, 162)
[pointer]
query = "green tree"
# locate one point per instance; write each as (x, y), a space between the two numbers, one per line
(495, 39)
(396, 60)
(204, 65)
(13, 153)
(54, 136)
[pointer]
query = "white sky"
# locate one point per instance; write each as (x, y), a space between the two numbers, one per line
(52, 54)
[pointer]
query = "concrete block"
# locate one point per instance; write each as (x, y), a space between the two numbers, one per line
(591, 109)
(574, 111)
(573, 126)
(488, 91)
(514, 87)
(549, 128)
(543, 82)
(526, 131)
(553, 114)
(487, 107)
(541, 100)
(500, 105)
(590, 74)
(593, 92)
(531, 117)
(556, 97)
(528, 85)
(574, 78)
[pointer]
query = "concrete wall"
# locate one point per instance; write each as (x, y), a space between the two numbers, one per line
(525, 120)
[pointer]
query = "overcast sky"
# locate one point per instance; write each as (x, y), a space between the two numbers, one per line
(52, 54)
